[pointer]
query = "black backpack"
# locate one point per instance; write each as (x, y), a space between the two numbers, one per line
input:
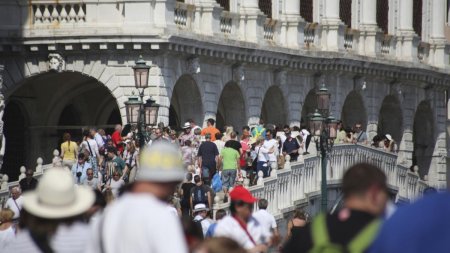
(199, 195)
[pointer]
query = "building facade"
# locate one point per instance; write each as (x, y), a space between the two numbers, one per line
(67, 65)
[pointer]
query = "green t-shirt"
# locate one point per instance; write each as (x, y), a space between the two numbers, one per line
(230, 158)
(119, 164)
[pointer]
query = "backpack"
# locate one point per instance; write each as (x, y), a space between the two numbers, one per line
(216, 183)
(322, 243)
(199, 195)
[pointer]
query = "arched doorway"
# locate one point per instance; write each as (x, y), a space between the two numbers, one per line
(231, 107)
(390, 120)
(56, 103)
(309, 107)
(185, 103)
(273, 109)
(15, 131)
(423, 137)
(354, 111)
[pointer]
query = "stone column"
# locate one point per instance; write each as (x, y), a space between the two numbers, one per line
(406, 38)
(251, 22)
(292, 24)
(163, 14)
(437, 37)
(207, 16)
(368, 28)
(331, 26)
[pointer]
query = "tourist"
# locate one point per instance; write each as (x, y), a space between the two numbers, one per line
(188, 154)
(139, 221)
(262, 154)
(227, 133)
(219, 142)
(97, 137)
(340, 136)
(29, 182)
(220, 214)
(185, 193)
(52, 216)
(69, 151)
(201, 216)
(389, 144)
(207, 159)
(230, 168)
(7, 228)
(115, 184)
(220, 245)
(210, 129)
(306, 137)
(130, 158)
(193, 126)
(267, 220)
(365, 193)
(291, 147)
(14, 203)
(186, 135)
(234, 143)
(240, 225)
(90, 145)
(116, 138)
(298, 220)
(271, 144)
(79, 170)
(91, 181)
(115, 163)
(360, 136)
(200, 194)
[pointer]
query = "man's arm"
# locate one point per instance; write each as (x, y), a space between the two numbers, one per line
(209, 200)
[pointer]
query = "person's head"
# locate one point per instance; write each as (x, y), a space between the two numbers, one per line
(86, 133)
(261, 122)
(259, 141)
(263, 203)
(210, 122)
(233, 135)
(116, 175)
(364, 188)
(220, 214)
(66, 137)
(299, 214)
(111, 152)
(192, 122)
(90, 173)
(118, 127)
(6, 215)
(245, 132)
(208, 137)
(241, 202)
(161, 170)
(197, 131)
(187, 127)
(198, 180)
(189, 177)
(173, 134)
(218, 136)
(131, 147)
(92, 131)
(158, 133)
(340, 126)
(15, 192)
(101, 132)
(269, 134)
(29, 173)
(358, 127)
(201, 209)
(220, 245)
(81, 158)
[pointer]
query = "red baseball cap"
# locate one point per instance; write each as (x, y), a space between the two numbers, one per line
(242, 194)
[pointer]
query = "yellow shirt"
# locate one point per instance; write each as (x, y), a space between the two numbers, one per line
(69, 150)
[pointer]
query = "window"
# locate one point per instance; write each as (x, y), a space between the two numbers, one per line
(345, 12)
(382, 14)
(417, 17)
(306, 10)
(225, 4)
(266, 7)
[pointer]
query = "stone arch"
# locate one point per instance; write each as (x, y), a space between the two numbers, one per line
(354, 110)
(231, 107)
(309, 107)
(52, 99)
(273, 110)
(423, 137)
(390, 119)
(186, 102)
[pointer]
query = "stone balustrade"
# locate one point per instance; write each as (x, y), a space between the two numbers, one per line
(269, 29)
(348, 39)
(299, 184)
(309, 35)
(66, 13)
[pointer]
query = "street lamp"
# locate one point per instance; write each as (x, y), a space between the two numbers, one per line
(324, 129)
(136, 111)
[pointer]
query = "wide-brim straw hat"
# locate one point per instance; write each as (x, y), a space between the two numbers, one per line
(57, 196)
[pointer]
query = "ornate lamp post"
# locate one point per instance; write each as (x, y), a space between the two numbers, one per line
(324, 130)
(137, 112)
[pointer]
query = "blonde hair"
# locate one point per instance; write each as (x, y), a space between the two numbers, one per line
(6, 215)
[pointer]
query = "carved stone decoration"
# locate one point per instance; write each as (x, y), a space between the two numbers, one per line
(56, 62)
(194, 66)
(238, 73)
(281, 77)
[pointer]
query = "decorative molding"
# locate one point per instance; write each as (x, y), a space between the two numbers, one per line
(238, 73)
(194, 66)
(56, 62)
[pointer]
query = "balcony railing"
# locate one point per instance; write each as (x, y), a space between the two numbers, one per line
(226, 23)
(181, 14)
(59, 13)
(386, 43)
(348, 39)
(310, 34)
(269, 29)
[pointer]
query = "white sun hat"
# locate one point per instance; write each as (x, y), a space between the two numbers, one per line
(187, 125)
(57, 196)
(200, 207)
(389, 137)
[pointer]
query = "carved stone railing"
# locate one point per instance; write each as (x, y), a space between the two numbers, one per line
(59, 13)
(348, 39)
(298, 182)
(310, 34)
(269, 29)
(423, 50)
(226, 23)
(181, 15)
(386, 44)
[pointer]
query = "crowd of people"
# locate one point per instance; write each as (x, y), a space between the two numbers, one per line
(111, 195)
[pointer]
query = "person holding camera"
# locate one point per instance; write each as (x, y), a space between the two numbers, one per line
(79, 169)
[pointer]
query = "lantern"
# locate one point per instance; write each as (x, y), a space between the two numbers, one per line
(141, 70)
(151, 112)
(332, 127)
(132, 108)
(323, 100)
(315, 123)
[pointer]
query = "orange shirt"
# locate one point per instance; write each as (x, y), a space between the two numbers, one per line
(210, 130)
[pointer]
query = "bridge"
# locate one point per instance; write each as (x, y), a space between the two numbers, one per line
(298, 183)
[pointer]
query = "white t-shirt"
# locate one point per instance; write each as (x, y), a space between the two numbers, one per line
(68, 239)
(229, 227)
(6, 237)
(92, 144)
(15, 208)
(98, 138)
(262, 153)
(205, 222)
(266, 219)
(137, 223)
(268, 144)
(115, 186)
(94, 183)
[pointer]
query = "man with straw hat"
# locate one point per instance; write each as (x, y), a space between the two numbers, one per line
(138, 221)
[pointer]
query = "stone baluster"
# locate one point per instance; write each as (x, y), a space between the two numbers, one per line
(56, 161)
(22, 173)
(39, 163)
(4, 182)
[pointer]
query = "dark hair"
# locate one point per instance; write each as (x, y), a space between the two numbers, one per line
(360, 177)
(233, 135)
(187, 143)
(218, 136)
(299, 214)
(234, 204)
(246, 128)
(220, 214)
(189, 176)
(286, 126)
(81, 156)
(86, 133)
(211, 121)
(263, 203)
(197, 179)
